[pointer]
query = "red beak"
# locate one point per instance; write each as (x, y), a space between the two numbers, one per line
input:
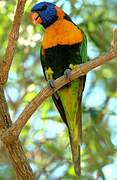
(35, 18)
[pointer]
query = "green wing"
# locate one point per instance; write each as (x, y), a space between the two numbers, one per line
(83, 50)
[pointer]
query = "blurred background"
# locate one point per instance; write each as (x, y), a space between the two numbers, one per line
(45, 137)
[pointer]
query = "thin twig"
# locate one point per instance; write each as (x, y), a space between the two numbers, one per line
(13, 37)
(81, 70)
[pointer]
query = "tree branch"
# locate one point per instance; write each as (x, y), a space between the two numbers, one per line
(14, 150)
(13, 37)
(81, 70)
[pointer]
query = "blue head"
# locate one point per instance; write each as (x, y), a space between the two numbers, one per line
(45, 13)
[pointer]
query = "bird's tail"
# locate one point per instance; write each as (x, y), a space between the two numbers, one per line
(76, 158)
(75, 134)
(71, 97)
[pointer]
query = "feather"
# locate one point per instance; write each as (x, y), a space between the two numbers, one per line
(64, 46)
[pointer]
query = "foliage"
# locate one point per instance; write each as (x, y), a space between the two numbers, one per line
(44, 138)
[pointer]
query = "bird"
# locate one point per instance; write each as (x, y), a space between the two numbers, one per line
(63, 48)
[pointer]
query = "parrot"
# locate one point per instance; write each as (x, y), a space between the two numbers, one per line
(63, 48)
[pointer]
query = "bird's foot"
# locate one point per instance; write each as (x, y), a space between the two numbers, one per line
(51, 84)
(67, 73)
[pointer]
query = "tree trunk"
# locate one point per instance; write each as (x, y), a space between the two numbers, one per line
(14, 150)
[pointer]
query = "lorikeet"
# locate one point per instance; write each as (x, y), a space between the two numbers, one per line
(63, 47)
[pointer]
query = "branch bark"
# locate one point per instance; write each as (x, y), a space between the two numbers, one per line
(81, 70)
(13, 37)
(14, 150)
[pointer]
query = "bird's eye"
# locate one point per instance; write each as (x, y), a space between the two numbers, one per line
(43, 8)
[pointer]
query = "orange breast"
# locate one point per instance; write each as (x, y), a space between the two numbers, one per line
(62, 32)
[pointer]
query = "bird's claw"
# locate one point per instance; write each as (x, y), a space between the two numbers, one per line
(67, 73)
(51, 84)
